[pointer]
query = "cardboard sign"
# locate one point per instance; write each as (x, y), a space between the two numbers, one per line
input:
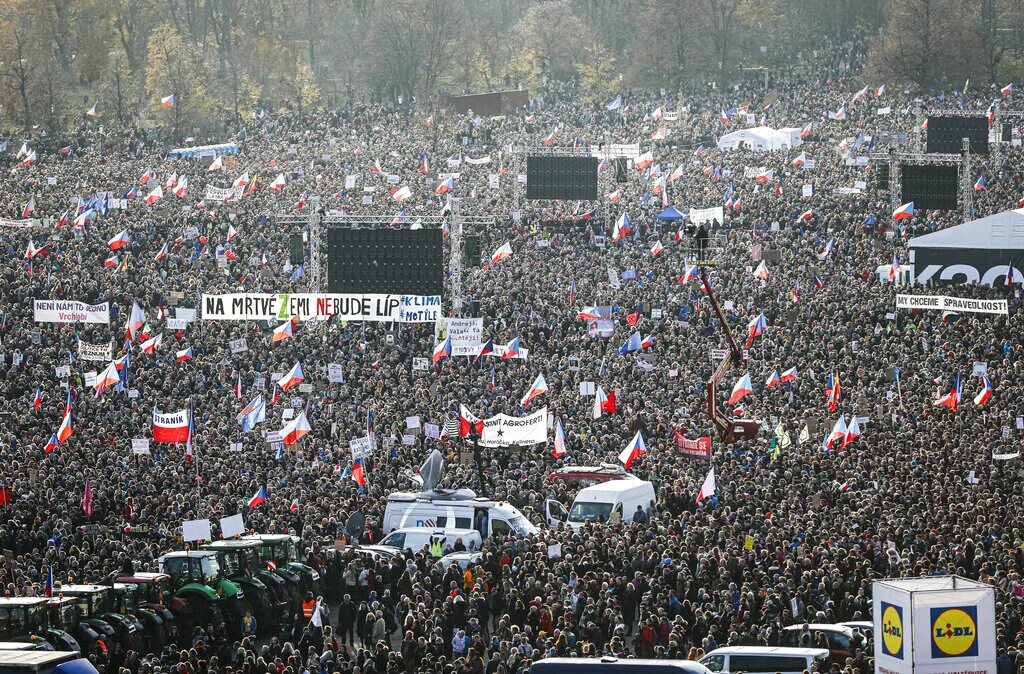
(195, 530)
(335, 373)
(62, 371)
(239, 345)
(232, 526)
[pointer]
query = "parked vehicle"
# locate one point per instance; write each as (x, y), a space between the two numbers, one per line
(840, 638)
(612, 665)
(210, 598)
(415, 538)
(589, 475)
(96, 603)
(459, 509)
(127, 600)
(267, 592)
(766, 659)
(282, 551)
(44, 662)
(25, 619)
(599, 502)
(153, 592)
(62, 614)
(25, 646)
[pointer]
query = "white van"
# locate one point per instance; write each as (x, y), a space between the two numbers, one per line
(597, 503)
(765, 659)
(459, 509)
(415, 538)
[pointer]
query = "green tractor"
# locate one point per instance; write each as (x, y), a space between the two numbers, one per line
(24, 619)
(152, 592)
(282, 551)
(128, 600)
(267, 592)
(95, 604)
(203, 596)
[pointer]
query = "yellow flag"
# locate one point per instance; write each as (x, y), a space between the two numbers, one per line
(748, 543)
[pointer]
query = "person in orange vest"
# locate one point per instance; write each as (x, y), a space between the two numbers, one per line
(308, 606)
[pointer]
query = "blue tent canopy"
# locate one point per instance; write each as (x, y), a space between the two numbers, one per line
(203, 151)
(671, 214)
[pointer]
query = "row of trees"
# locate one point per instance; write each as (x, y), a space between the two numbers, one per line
(225, 59)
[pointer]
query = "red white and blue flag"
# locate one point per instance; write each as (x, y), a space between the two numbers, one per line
(634, 449)
(258, 498)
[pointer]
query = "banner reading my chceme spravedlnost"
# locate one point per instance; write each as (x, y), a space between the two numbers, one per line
(381, 308)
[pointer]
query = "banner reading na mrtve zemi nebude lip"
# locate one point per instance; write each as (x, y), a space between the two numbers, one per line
(382, 308)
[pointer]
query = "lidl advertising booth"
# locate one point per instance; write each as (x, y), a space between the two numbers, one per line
(934, 625)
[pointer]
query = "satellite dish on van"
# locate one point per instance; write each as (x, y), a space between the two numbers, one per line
(431, 470)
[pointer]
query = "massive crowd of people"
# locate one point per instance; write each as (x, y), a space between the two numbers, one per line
(794, 535)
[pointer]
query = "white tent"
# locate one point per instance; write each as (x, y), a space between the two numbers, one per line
(759, 138)
(980, 251)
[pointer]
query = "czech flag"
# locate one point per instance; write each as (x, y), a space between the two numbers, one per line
(807, 215)
(119, 241)
(282, 332)
(986, 392)
(755, 328)
(623, 226)
(359, 472)
(442, 350)
(657, 248)
(773, 379)
(446, 186)
(951, 399)
(65, 430)
(297, 429)
(724, 118)
(154, 196)
(151, 344)
(51, 444)
(38, 399)
(486, 349)
(799, 161)
(501, 253)
(838, 433)
(377, 168)
(1009, 276)
(1007, 90)
(643, 161)
(112, 261)
(603, 404)
(789, 375)
(559, 450)
(647, 342)
(216, 165)
(294, 507)
(707, 489)
(184, 355)
(292, 377)
(691, 273)
(108, 377)
(981, 184)
(635, 448)
(258, 498)
(401, 194)
(880, 91)
(740, 389)
(278, 183)
(539, 387)
(424, 165)
(167, 101)
(181, 188)
(904, 211)
(816, 280)
(511, 349)
(852, 432)
(894, 267)
(30, 207)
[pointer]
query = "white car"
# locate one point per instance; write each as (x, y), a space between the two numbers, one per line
(463, 559)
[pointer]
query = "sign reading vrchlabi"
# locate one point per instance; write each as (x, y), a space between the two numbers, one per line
(69, 311)
(382, 308)
(934, 625)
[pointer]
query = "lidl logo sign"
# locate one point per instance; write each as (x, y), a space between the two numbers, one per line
(955, 632)
(892, 630)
